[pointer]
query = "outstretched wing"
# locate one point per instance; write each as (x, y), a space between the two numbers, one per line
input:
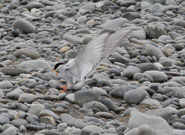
(97, 49)
(90, 55)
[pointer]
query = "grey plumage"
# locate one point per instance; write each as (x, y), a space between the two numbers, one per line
(88, 58)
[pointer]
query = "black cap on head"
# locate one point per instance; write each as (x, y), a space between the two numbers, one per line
(57, 65)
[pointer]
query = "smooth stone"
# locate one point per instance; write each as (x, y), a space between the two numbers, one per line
(126, 3)
(91, 129)
(142, 130)
(26, 97)
(178, 125)
(166, 113)
(48, 120)
(12, 70)
(95, 105)
(106, 115)
(29, 52)
(62, 126)
(135, 96)
(70, 97)
(85, 96)
(154, 122)
(130, 71)
(170, 84)
(72, 131)
(182, 102)
(5, 84)
(54, 84)
(179, 79)
(119, 91)
(72, 38)
(173, 91)
(152, 50)
(15, 94)
(32, 5)
(36, 108)
(30, 83)
(157, 76)
(168, 50)
(116, 57)
(10, 131)
(46, 112)
(32, 119)
(178, 132)
(147, 66)
(166, 62)
(111, 105)
(35, 65)
(4, 119)
(48, 132)
(71, 121)
(151, 103)
(131, 15)
(1, 93)
(24, 26)
(19, 122)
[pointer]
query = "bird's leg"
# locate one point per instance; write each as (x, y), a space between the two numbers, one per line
(53, 70)
(63, 88)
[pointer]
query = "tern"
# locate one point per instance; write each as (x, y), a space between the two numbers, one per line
(88, 58)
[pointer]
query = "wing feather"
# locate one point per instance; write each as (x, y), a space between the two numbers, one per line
(97, 49)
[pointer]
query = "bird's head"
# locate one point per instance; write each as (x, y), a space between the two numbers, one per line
(66, 71)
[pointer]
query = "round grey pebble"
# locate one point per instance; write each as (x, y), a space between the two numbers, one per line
(23, 26)
(135, 96)
(91, 129)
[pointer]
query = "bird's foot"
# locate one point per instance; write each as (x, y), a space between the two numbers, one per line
(63, 88)
(55, 72)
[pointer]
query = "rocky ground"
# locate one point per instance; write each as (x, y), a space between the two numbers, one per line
(138, 90)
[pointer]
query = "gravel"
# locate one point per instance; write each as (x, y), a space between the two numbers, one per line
(146, 70)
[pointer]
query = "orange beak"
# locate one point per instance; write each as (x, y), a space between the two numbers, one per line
(63, 88)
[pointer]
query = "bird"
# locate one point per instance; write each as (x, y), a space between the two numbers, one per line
(88, 58)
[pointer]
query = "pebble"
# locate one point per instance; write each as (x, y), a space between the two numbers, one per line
(91, 129)
(36, 108)
(10, 131)
(15, 94)
(5, 84)
(85, 96)
(157, 76)
(104, 115)
(32, 5)
(19, 122)
(13, 71)
(25, 97)
(138, 119)
(23, 26)
(34, 65)
(29, 52)
(145, 70)
(135, 96)
(4, 119)
(119, 91)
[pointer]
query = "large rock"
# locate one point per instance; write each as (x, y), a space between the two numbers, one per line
(155, 123)
(34, 65)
